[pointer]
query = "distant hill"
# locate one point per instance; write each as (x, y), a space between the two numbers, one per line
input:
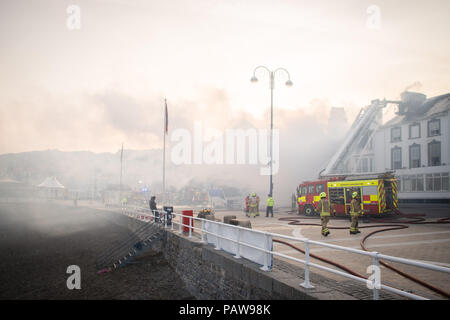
(79, 169)
(88, 171)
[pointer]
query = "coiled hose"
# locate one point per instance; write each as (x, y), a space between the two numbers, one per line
(391, 225)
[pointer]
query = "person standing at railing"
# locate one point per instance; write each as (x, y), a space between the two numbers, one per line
(325, 207)
(269, 205)
(355, 211)
(153, 208)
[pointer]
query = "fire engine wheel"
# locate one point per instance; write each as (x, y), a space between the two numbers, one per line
(309, 211)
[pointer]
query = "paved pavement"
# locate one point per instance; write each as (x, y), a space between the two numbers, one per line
(424, 242)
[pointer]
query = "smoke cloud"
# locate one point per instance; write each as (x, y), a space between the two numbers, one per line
(307, 140)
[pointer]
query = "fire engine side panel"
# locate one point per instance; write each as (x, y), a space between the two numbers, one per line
(373, 194)
(340, 208)
(369, 194)
(370, 199)
(337, 198)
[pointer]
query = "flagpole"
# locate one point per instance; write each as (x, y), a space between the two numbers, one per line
(121, 159)
(164, 151)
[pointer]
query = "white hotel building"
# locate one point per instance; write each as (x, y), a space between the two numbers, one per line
(416, 145)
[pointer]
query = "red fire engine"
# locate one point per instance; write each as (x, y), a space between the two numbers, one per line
(378, 194)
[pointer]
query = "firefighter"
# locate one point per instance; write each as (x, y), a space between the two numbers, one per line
(269, 204)
(325, 208)
(247, 209)
(252, 202)
(257, 205)
(355, 211)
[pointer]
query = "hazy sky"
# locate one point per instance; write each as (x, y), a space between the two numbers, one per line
(104, 84)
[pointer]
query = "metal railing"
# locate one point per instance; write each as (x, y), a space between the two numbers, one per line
(125, 245)
(375, 283)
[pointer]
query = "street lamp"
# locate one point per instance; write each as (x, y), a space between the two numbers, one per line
(288, 83)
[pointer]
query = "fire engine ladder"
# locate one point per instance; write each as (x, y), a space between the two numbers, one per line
(360, 126)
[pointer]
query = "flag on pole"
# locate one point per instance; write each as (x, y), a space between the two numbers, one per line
(166, 117)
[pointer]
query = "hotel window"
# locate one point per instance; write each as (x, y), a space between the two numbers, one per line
(437, 181)
(434, 153)
(429, 182)
(414, 131)
(412, 183)
(420, 182)
(399, 184)
(396, 134)
(396, 158)
(445, 182)
(407, 184)
(434, 127)
(414, 156)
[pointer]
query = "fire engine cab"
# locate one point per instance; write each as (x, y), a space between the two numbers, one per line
(378, 194)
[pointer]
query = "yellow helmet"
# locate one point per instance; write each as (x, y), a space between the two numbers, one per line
(354, 194)
(253, 194)
(323, 195)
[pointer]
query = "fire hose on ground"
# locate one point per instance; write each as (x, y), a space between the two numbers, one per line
(391, 225)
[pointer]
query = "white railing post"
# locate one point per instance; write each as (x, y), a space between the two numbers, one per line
(165, 219)
(201, 231)
(238, 253)
(180, 219)
(171, 221)
(377, 279)
(265, 267)
(218, 238)
(190, 226)
(306, 284)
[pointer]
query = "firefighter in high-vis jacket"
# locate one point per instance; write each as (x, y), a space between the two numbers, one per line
(355, 211)
(325, 208)
(252, 203)
(269, 205)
